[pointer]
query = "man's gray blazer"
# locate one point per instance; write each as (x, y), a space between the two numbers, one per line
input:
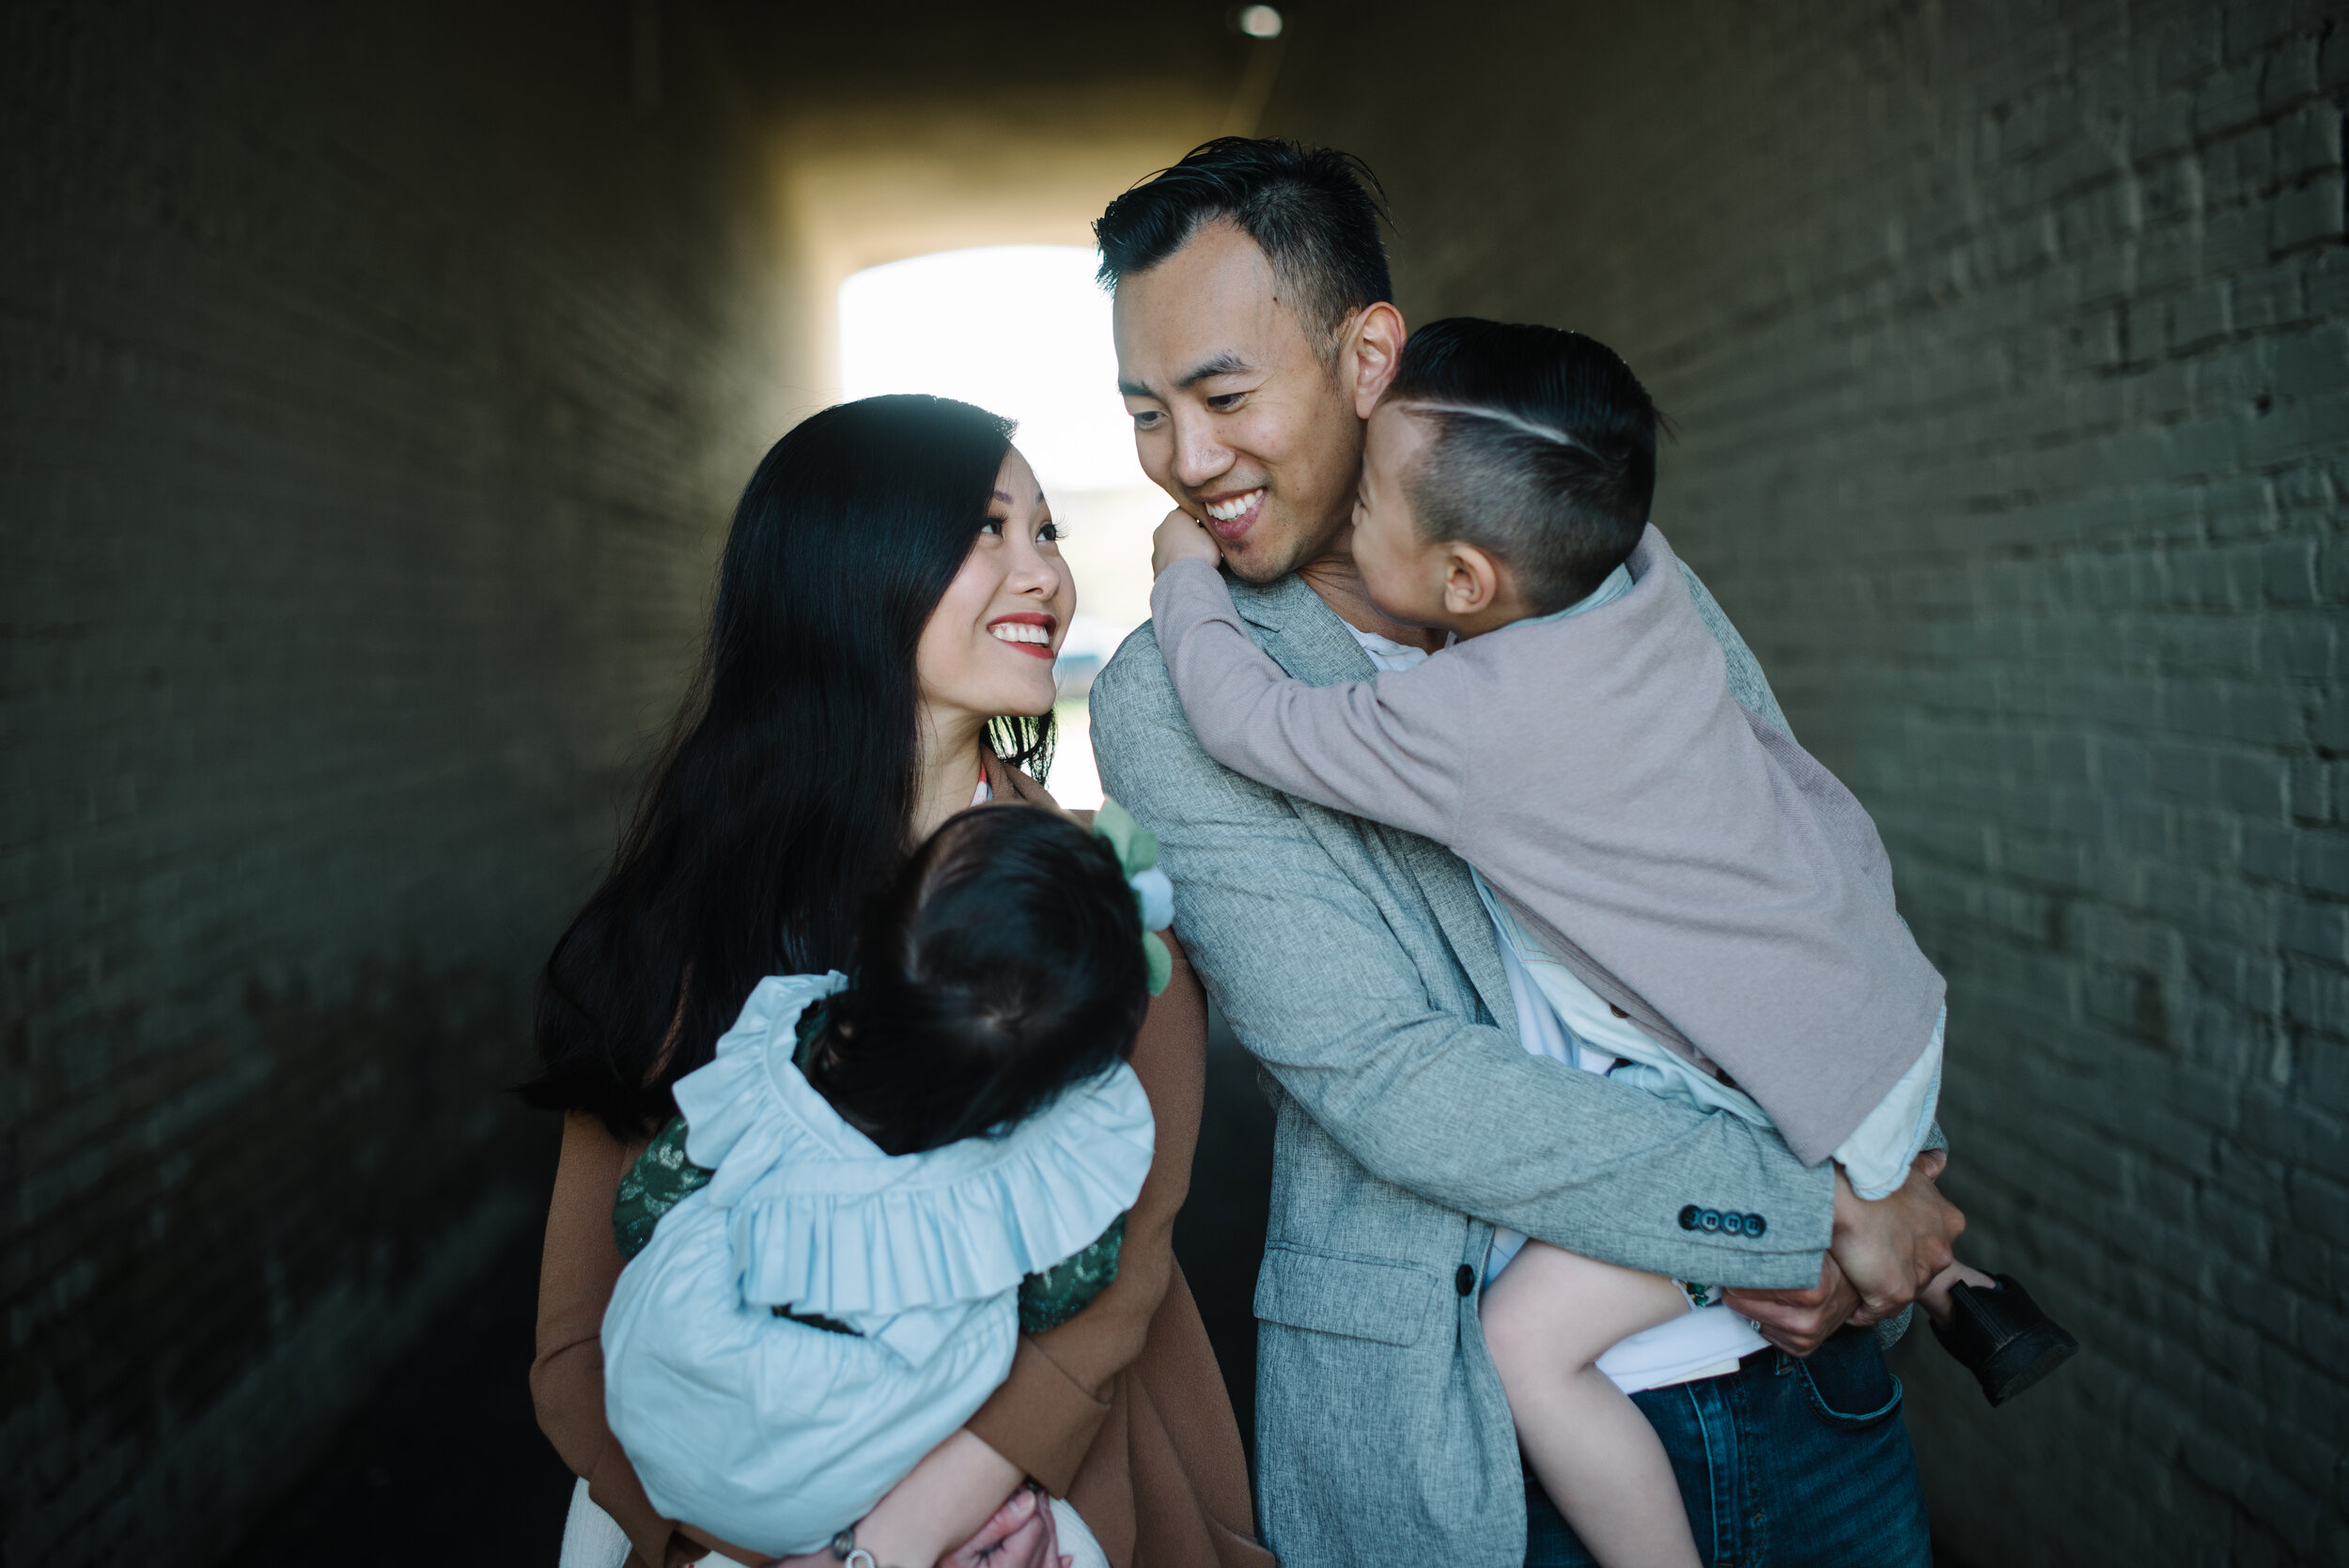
(1356, 963)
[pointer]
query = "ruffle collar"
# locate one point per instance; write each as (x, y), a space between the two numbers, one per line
(819, 1219)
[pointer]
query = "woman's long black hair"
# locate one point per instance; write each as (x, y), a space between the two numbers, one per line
(784, 797)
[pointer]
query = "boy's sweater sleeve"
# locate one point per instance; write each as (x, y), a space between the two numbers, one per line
(1394, 749)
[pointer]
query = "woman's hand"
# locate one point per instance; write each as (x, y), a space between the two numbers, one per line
(1021, 1535)
(959, 1485)
(1182, 537)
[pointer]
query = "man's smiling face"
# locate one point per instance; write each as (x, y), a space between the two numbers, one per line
(1237, 416)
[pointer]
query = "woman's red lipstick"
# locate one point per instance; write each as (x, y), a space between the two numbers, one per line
(1021, 641)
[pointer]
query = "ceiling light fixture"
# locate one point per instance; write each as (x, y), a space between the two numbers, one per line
(1258, 21)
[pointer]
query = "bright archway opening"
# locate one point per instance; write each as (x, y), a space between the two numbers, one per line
(1023, 329)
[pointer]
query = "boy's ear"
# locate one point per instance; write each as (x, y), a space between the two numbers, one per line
(1472, 580)
(1372, 350)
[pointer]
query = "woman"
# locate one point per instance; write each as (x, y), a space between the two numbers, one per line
(880, 657)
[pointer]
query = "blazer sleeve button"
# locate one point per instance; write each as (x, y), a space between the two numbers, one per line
(1755, 1224)
(1710, 1220)
(1688, 1218)
(1465, 1279)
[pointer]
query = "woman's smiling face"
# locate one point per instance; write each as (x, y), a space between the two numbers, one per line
(988, 648)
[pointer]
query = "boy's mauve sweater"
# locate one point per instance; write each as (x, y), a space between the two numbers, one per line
(1686, 859)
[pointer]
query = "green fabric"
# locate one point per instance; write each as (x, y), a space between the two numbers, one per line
(660, 1180)
(662, 1177)
(1048, 1299)
(1137, 849)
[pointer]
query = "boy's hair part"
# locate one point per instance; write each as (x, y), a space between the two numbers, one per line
(1314, 211)
(1542, 450)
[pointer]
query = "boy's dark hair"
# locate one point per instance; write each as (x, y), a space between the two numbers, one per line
(1001, 964)
(1314, 211)
(1543, 451)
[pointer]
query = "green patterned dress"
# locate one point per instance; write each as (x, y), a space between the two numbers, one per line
(663, 1177)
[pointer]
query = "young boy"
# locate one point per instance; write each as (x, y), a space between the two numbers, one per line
(1705, 910)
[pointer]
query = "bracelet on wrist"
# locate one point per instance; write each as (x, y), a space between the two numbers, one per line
(846, 1550)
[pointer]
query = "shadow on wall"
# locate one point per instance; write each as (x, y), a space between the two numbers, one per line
(262, 1276)
(446, 1462)
(373, 384)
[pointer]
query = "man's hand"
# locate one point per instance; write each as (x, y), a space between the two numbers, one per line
(1182, 537)
(1892, 1249)
(1799, 1321)
(1882, 1255)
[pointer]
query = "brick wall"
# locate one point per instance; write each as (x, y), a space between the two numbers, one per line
(2009, 344)
(371, 395)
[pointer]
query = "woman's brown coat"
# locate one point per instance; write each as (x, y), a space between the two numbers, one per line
(1121, 1409)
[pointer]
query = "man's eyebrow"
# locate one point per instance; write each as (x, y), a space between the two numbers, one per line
(1225, 364)
(1228, 363)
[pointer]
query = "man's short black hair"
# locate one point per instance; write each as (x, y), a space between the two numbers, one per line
(1314, 211)
(1543, 451)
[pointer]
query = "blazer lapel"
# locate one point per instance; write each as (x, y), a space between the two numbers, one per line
(1306, 638)
(1303, 634)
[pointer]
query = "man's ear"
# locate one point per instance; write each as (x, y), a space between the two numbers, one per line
(1471, 580)
(1373, 349)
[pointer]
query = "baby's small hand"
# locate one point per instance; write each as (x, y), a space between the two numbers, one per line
(1181, 537)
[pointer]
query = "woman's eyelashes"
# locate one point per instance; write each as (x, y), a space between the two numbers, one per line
(1047, 533)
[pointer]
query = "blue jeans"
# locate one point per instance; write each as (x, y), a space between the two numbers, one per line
(1784, 1464)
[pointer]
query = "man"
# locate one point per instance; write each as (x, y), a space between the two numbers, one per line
(1254, 335)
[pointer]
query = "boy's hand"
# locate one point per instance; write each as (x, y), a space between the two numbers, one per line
(1181, 537)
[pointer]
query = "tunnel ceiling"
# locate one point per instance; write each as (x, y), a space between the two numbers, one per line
(794, 56)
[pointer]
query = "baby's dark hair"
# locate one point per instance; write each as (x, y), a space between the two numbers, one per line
(1542, 454)
(1001, 964)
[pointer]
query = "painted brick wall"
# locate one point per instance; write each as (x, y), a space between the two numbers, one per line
(372, 392)
(2009, 344)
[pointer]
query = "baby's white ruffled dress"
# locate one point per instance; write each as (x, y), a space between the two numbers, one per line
(772, 1432)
